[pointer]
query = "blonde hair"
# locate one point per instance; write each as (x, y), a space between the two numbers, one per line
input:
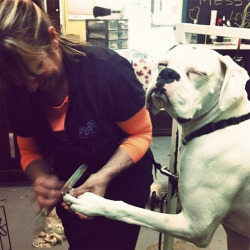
(23, 36)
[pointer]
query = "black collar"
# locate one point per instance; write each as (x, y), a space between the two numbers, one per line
(211, 127)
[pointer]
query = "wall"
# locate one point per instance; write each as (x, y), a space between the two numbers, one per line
(76, 27)
(232, 10)
(142, 36)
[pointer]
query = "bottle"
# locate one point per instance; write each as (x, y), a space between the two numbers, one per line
(193, 37)
(213, 23)
(226, 23)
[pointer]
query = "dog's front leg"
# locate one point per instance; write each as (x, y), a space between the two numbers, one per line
(180, 226)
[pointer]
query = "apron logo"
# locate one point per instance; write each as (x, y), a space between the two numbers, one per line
(90, 128)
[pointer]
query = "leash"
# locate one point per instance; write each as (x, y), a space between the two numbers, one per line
(211, 127)
(173, 177)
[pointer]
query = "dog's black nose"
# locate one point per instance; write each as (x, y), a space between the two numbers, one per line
(166, 76)
(169, 75)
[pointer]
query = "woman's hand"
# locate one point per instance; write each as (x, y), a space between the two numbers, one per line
(97, 183)
(47, 189)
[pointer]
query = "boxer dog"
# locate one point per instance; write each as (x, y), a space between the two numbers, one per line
(205, 92)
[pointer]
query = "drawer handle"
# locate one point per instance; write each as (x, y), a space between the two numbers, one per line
(12, 146)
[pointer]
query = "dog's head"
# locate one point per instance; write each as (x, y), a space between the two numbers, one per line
(188, 82)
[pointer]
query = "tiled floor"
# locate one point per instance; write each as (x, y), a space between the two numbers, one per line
(19, 210)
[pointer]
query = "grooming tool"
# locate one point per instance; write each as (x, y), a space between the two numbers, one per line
(65, 189)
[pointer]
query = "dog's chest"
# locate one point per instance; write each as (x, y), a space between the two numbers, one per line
(219, 156)
(220, 163)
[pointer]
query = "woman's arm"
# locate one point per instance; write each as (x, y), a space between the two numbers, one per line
(45, 186)
(139, 130)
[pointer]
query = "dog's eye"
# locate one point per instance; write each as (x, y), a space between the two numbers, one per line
(196, 73)
(163, 64)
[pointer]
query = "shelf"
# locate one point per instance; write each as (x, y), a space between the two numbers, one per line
(223, 46)
(183, 31)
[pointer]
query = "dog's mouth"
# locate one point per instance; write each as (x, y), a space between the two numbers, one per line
(159, 100)
(156, 100)
(182, 120)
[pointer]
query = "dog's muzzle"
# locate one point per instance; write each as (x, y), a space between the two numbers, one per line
(166, 76)
(156, 96)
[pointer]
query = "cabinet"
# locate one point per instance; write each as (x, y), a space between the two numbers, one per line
(10, 168)
(112, 34)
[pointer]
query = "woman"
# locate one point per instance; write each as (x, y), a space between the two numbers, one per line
(71, 104)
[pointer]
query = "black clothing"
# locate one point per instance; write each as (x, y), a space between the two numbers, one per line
(103, 90)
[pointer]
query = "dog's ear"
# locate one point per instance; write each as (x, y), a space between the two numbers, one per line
(233, 87)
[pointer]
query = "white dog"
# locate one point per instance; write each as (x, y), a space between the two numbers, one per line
(205, 92)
